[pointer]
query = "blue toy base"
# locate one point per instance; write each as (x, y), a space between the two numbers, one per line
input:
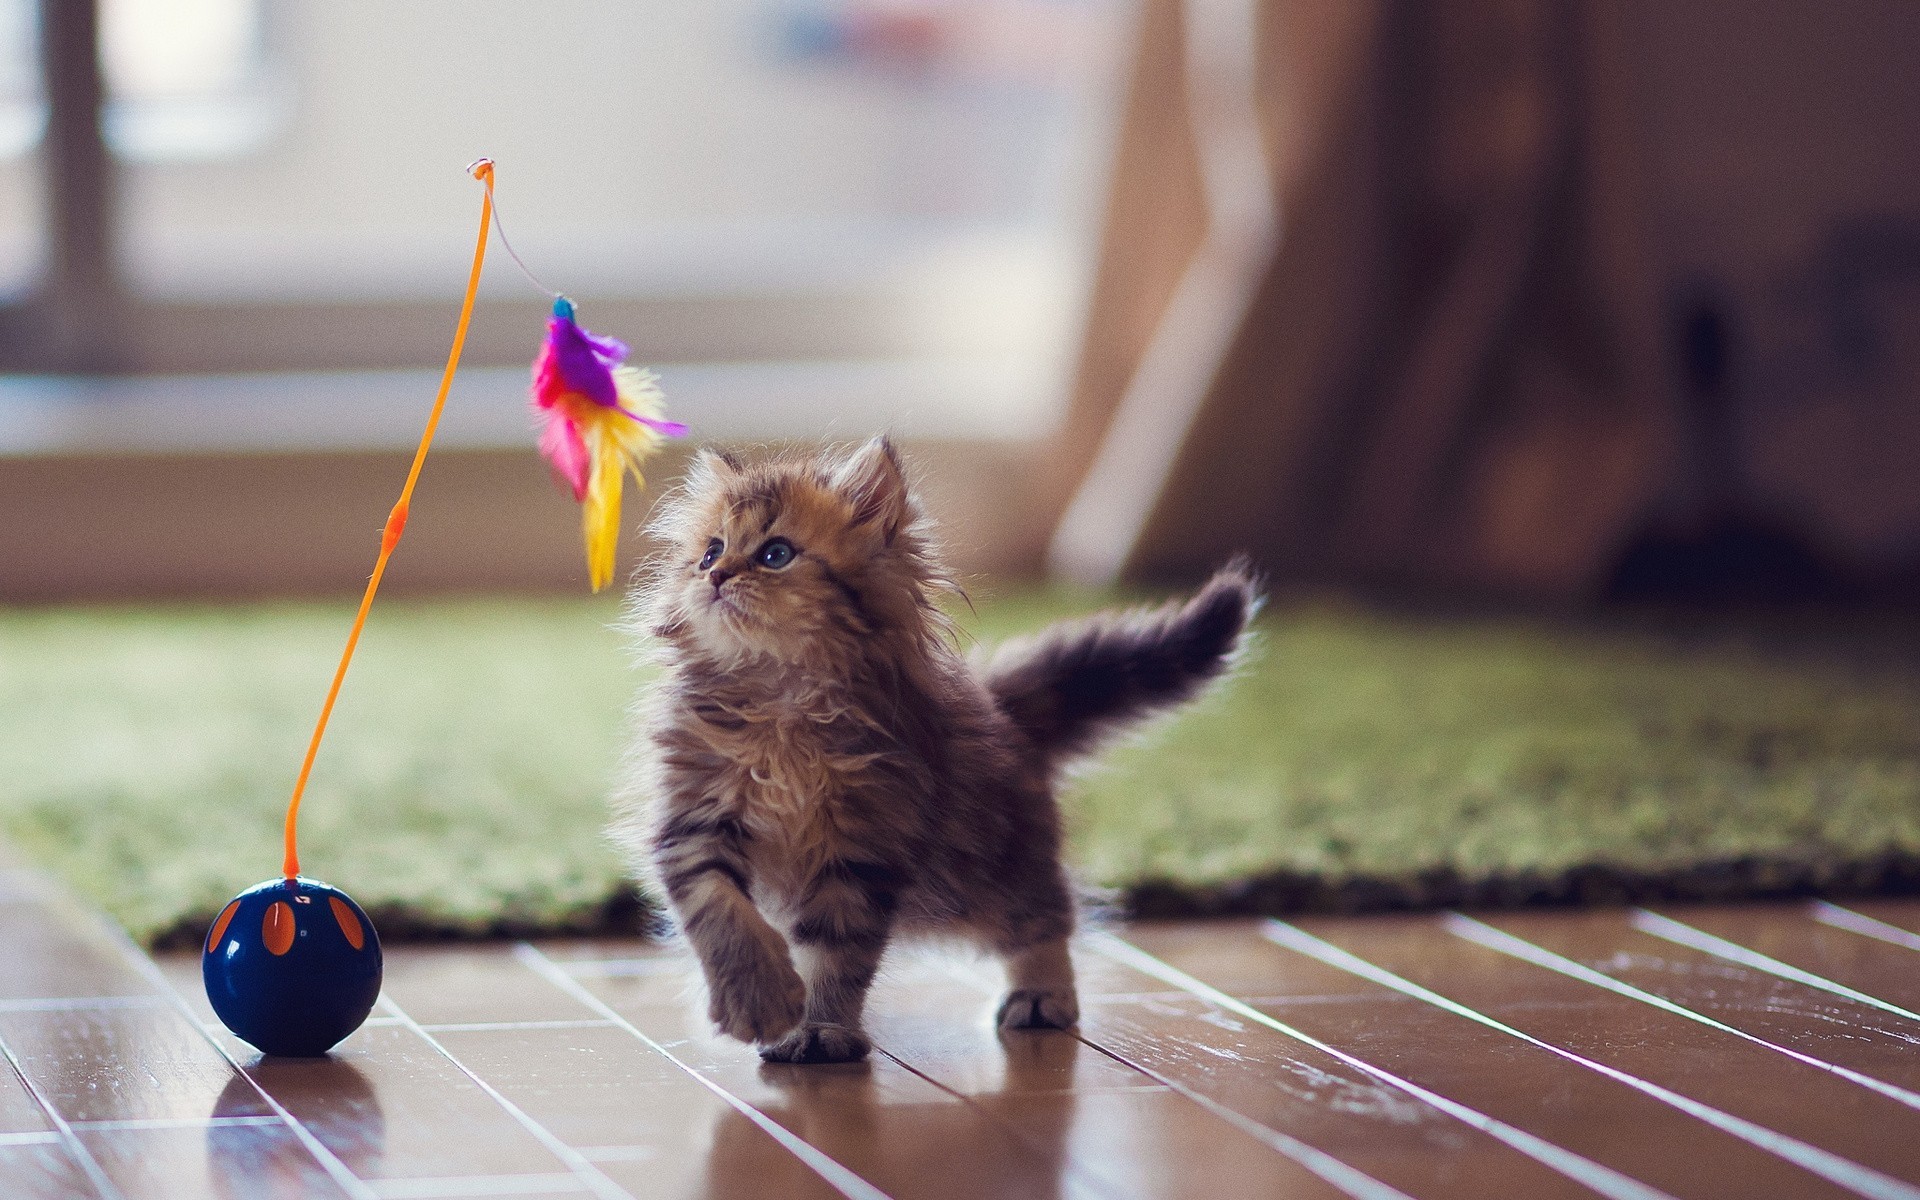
(292, 966)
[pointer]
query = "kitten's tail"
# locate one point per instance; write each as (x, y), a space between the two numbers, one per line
(1081, 681)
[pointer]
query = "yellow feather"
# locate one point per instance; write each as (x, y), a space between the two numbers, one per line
(600, 515)
(616, 444)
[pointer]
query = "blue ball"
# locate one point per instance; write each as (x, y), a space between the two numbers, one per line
(292, 966)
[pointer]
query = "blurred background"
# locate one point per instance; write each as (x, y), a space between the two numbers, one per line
(1540, 351)
(233, 235)
(1538, 301)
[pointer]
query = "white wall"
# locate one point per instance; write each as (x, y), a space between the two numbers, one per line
(644, 147)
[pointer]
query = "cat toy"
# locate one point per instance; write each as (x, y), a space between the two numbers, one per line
(293, 965)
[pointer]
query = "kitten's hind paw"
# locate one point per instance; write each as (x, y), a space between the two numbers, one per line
(1027, 1008)
(818, 1043)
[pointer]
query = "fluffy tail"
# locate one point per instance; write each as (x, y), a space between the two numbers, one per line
(1082, 681)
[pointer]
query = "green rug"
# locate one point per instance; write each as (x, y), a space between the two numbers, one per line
(1362, 761)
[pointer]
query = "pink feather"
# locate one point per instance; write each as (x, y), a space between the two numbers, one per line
(565, 451)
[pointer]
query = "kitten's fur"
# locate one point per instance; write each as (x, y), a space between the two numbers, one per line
(819, 769)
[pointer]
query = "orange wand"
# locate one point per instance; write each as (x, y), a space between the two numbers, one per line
(482, 170)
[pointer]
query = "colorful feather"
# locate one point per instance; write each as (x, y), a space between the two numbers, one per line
(599, 420)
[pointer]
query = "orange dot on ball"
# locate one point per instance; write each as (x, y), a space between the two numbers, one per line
(349, 924)
(276, 928)
(220, 926)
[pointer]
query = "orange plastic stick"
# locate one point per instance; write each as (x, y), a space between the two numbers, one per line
(396, 520)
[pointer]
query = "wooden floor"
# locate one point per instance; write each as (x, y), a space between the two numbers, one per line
(1766, 1051)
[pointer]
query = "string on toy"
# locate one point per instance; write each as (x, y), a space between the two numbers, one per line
(481, 170)
(500, 227)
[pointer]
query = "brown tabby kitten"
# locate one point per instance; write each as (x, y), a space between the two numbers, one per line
(819, 769)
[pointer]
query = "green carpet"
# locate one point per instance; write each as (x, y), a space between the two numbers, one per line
(1362, 761)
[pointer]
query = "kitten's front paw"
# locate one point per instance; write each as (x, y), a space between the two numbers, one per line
(1027, 1008)
(757, 1002)
(818, 1043)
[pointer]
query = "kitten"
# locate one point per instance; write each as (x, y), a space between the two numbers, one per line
(819, 769)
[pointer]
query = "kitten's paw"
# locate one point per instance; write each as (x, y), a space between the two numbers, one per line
(1028, 1008)
(758, 1003)
(818, 1043)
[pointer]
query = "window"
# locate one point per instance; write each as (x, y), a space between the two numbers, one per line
(23, 120)
(884, 181)
(187, 80)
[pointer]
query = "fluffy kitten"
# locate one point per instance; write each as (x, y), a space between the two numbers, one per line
(819, 769)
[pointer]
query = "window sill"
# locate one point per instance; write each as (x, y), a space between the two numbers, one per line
(239, 486)
(487, 410)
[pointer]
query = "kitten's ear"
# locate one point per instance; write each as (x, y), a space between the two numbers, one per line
(872, 481)
(711, 468)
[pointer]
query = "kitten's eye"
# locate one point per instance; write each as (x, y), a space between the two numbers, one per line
(712, 555)
(775, 554)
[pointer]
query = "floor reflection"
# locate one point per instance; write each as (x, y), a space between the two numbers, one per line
(897, 1141)
(334, 1101)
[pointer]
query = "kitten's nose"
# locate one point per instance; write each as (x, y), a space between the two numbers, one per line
(720, 575)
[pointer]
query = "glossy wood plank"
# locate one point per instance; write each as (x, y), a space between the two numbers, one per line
(54, 951)
(936, 1014)
(124, 1064)
(1161, 1144)
(1705, 1065)
(1828, 1027)
(43, 1171)
(643, 1121)
(1901, 914)
(181, 970)
(257, 1162)
(1299, 1092)
(19, 1111)
(1492, 1073)
(894, 1129)
(1792, 935)
(1288, 1086)
(464, 984)
(1127, 1134)
(392, 1108)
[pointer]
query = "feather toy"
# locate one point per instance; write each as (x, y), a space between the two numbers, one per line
(599, 420)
